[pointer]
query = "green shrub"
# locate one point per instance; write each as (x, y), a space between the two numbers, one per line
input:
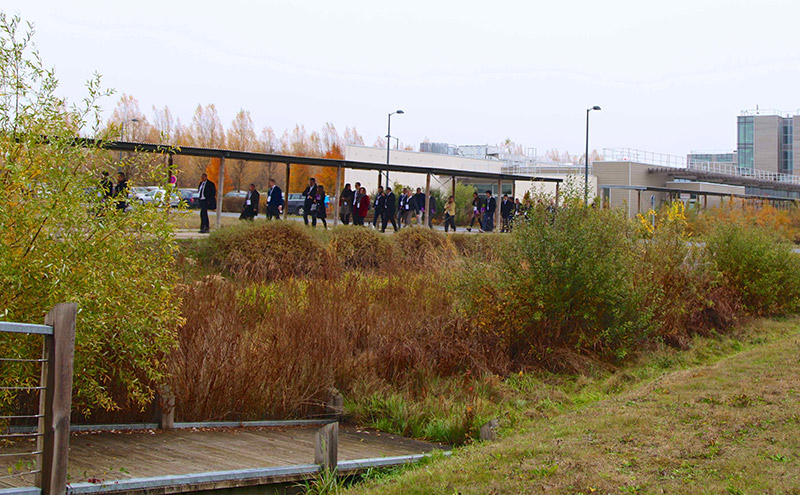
(758, 265)
(566, 284)
(60, 241)
(359, 248)
(682, 285)
(273, 250)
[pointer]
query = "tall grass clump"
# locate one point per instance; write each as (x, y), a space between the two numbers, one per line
(566, 284)
(423, 248)
(355, 248)
(269, 251)
(758, 265)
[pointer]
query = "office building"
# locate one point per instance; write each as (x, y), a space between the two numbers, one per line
(766, 141)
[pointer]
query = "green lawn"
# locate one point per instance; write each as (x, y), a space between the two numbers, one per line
(729, 426)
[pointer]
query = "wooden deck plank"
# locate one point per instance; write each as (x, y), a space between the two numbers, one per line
(146, 453)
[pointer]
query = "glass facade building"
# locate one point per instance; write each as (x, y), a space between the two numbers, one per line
(745, 141)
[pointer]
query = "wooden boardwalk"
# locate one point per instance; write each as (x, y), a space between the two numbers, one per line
(100, 457)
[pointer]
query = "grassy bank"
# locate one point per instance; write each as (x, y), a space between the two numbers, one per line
(722, 417)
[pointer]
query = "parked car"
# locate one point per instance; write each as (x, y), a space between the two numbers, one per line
(236, 194)
(295, 203)
(190, 197)
(158, 196)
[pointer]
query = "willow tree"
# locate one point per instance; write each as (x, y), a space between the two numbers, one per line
(63, 240)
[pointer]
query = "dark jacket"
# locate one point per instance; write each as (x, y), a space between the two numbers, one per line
(418, 202)
(491, 205)
(210, 195)
(309, 193)
(477, 205)
(252, 208)
(275, 197)
(121, 193)
(380, 199)
(506, 208)
(390, 203)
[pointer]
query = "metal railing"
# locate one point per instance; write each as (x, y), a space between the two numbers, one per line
(736, 170)
(54, 395)
(642, 156)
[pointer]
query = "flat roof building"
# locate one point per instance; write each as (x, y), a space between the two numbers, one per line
(765, 140)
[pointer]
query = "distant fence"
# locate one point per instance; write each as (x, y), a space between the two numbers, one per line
(55, 398)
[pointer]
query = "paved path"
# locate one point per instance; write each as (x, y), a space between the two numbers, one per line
(105, 456)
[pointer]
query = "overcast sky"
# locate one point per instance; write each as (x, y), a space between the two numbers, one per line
(670, 76)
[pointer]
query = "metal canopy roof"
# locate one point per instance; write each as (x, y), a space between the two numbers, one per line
(696, 192)
(302, 160)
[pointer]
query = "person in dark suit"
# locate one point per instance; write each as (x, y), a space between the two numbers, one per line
(309, 195)
(107, 186)
(401, 201)
(346, 204)
(488, 215)
(274, 201)
(379, 206)
(250, 207)
(418, 205)
(389, 210)
(506, 213)
(121, 192)
(320, 207)
(207, 194)
(357, 201)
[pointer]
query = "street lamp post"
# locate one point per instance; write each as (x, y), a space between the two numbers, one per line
(586, 159)
(389, 142)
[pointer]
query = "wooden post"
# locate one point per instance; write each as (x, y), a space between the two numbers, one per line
(55, 401)
(220, 190)
(286, 200)
(453, 188)
(166, 408)
(427, 214)
(705, 201)
(338, 190)
(488, 430)
(326, 450)
(513, 190)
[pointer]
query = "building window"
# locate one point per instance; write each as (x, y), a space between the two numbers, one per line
(745, 142)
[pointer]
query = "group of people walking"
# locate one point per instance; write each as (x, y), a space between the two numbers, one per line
(408, 208)
(388, 208)
(118, 191)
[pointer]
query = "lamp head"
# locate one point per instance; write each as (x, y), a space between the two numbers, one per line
(595, 107)
(399, 111)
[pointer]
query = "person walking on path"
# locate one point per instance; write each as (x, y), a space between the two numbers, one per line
(121, 192)
(378, 207)
(418, 203)
(450, 214)
(321, 209)
(506, 213)
(389, 211)
(362, 207)
(401, 207)
(274, 201)
(309, 193)
(346, 204)
(488, 215)
(250, 207)
(357, 201)
(477, 211)
(207, 194)
(107, 186)
(408, 208)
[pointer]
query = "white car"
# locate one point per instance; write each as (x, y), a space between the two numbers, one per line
(158, 196)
